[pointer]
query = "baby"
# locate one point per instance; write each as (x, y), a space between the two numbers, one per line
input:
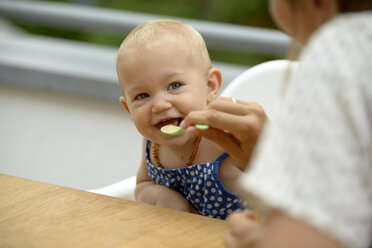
(165, 72)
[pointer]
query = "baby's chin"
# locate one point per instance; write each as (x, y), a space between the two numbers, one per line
(174, 141)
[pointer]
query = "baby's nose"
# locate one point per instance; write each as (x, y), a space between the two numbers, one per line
(160, 103)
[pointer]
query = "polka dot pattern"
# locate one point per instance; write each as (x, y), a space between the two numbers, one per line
(200, 184)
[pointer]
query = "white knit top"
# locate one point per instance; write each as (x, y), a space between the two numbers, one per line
(315, 162)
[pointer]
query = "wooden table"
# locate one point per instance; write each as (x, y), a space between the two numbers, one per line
(35, 214)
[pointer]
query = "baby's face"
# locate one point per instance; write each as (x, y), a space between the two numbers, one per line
(161, 86)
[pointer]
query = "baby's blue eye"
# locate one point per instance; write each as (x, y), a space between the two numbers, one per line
(142, 96)
(174, 86)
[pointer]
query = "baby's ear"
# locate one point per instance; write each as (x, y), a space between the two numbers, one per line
(124, 103)
(214, 83)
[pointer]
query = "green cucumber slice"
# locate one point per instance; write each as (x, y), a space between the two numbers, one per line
(171, 129)
(201, 126)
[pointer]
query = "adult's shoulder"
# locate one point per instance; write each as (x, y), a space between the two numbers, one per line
(341, 48)
(357, 22)
(352, 31)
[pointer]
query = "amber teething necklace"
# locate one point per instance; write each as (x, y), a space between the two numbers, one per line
(155, 153)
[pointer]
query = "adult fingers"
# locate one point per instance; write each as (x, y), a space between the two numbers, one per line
(244, 231)
(239, 141)
(215, 112)
(253, 113)
(250, 240)
(238, 107)
(231, 241)
(238, 223)
(239, 126)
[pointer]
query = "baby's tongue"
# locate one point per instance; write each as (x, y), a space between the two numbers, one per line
(175, 122)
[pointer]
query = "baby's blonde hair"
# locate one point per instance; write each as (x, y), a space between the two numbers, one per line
(153, 30)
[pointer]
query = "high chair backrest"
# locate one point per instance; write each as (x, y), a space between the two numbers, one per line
(262, 83)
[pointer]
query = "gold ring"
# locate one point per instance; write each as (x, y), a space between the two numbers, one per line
(233, 99)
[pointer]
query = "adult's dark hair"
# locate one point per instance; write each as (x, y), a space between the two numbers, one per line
(354, 5)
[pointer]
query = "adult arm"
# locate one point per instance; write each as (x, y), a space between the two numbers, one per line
(313, 165)
(279, 231)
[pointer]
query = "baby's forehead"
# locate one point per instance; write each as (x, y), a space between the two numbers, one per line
(163, 46)
(158, 40)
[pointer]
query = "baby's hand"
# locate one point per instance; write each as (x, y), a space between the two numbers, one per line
(245, 229)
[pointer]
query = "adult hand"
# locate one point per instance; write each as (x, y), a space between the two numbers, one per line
(245, 231)
(233, 125)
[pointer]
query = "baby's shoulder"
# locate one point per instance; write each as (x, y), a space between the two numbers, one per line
(210, 152)
(230, 164)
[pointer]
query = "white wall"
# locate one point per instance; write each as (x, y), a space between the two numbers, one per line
(67, 140)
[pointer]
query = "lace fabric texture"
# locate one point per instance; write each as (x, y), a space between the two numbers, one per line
(315, 162)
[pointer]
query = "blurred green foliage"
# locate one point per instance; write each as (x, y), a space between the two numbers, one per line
(244, 12)
(241, 12)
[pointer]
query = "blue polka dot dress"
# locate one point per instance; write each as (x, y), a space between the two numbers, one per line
(200, 184)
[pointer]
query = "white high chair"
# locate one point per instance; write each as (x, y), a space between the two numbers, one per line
(261, 83)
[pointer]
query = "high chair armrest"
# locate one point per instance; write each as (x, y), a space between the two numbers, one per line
(123, 189)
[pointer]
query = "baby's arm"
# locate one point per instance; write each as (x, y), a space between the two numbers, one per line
(229, 173)
(159, 195)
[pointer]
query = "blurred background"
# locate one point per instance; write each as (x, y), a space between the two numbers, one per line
(61, 121)
(241, 12)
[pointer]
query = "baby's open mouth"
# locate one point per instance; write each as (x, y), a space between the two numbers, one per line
(173, 121)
